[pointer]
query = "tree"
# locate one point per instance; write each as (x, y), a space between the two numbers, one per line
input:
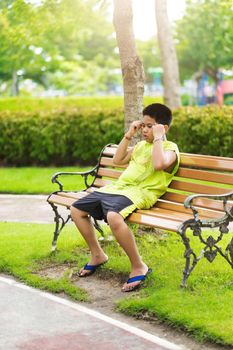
(168, 56)
(40, 39)
(15, 40)
(205, 37)
(131, 65)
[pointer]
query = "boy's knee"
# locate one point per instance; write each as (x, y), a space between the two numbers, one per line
(76, 212)
(114, 219)
(73, 211)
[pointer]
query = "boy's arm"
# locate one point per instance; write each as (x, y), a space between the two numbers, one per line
(162, 160)
(123, 155)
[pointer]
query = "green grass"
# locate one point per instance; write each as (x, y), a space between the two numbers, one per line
(204, 308)
(25, 249)
(35, 180)
(32, 104)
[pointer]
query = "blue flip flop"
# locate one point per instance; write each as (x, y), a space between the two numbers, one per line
(139, 278)
(91, 269)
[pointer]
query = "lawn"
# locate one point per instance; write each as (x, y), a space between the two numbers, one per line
(37, 180)
(204, 308)
(32, 104)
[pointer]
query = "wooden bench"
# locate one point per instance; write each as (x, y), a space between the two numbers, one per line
(200, 196)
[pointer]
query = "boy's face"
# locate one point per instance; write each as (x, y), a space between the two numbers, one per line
(147, 130)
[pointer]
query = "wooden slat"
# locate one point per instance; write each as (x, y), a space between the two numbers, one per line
(163, 204)
(154, 222)
(100, 182)
(206, 162)
(167, 214)
(205, 175)
(201, 202)
(178, 207)
(109, 173)
(109, 162)
(197, 188)
(110, 151)
(174, 197)
(194, 160)
(205, 156)
(67, 202)
(178, 185)
(74, 195)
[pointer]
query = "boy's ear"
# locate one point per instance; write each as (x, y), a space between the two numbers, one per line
(166, 127)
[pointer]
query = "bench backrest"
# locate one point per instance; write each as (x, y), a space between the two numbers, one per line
(200, 174)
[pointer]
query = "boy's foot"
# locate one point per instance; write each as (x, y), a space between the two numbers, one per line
(91, 267)
(135, 282)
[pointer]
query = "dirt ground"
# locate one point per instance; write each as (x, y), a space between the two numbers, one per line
(105, 291)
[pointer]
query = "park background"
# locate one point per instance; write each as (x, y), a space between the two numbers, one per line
(61, 65)
(62, 98)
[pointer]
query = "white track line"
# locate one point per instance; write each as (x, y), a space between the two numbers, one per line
(137, 331)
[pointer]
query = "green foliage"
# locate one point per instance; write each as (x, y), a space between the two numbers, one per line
(60, 132)
(38, 39)
(205, 37)
(205, 130)
(58, 137)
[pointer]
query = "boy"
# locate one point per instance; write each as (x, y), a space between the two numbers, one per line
(153, 163)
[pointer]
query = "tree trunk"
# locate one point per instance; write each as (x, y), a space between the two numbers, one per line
(131, 65)
(168, 56)
(15, 84)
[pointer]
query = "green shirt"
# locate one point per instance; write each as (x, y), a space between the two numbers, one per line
(141, 182)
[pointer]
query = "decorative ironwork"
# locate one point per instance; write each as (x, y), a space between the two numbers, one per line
(59, 225)
(85, 174)
(210, 244)
(60, 222)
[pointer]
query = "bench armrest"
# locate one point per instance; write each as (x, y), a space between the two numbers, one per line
(225, 197)
(84, 174)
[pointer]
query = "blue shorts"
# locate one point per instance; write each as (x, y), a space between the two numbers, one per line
(98, 204)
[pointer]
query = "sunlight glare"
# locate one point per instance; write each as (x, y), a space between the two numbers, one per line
(144, 16)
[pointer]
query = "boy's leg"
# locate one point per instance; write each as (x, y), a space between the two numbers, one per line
(126, 239)
(84, 225)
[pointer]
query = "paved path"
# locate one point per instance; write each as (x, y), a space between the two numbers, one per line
(35, 320)
(25, 208)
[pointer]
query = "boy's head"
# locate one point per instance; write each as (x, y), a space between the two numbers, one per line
(156, 113)
(159, 112)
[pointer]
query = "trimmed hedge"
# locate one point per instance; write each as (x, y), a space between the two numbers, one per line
(57, 137)
(76, 136)
(204, 130)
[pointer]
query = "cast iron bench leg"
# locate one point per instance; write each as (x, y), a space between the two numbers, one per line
(189, 255)
(210, 244)
(59, 225)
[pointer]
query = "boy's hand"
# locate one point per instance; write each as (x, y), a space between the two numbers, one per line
(158, 131)
(134, 127)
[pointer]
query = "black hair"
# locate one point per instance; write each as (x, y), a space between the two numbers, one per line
(159, 112)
